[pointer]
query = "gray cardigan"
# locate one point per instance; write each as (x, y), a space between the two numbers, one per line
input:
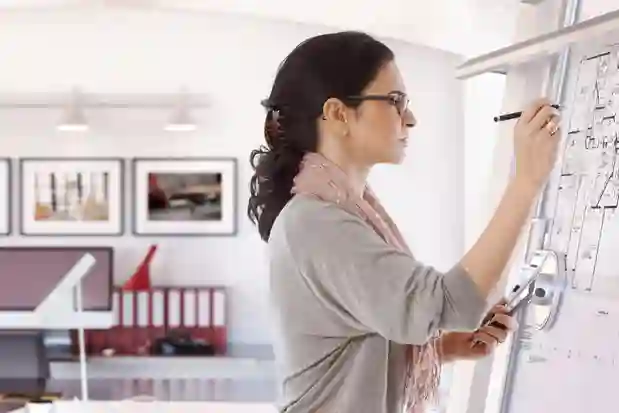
(345, 304)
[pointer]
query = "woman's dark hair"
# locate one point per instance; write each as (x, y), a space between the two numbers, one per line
(337, 65)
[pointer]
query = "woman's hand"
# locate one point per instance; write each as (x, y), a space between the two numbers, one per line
(536, 139)
(481, 342)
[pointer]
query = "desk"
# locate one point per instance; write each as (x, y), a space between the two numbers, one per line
(159, 407)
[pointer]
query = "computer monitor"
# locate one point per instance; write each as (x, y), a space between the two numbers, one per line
(29, 274)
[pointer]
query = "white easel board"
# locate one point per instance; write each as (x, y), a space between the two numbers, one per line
(574, 367)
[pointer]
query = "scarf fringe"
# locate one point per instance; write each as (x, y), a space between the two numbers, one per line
(423, 373)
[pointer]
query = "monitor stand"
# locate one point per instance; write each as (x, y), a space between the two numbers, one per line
(24, 365)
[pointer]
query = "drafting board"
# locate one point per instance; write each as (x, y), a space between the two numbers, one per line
(574, 367)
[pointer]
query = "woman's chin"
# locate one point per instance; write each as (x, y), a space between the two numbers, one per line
(398, 157)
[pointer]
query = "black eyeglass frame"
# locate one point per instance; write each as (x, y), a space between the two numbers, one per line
(392, 98)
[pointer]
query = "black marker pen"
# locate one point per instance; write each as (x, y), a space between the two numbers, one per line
(516, 115)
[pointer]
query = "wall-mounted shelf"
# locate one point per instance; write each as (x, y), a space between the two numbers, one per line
(540, 46)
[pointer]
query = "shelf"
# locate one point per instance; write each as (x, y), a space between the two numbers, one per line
(542, 46)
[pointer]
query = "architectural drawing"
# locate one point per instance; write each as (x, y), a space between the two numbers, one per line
(588, 188)
(570, 368)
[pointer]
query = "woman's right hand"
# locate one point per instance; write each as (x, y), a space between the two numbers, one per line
(536, 139)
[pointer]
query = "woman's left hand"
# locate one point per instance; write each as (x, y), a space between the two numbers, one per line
(481, 342)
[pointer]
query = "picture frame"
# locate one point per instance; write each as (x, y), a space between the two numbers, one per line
(185, 196)
(71, 196)
(6, 203)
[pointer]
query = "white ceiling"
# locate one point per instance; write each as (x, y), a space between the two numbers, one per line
(467, 27)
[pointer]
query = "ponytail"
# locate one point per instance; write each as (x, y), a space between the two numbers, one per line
(275, 166)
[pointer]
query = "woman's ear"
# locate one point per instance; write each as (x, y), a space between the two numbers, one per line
(334, 110)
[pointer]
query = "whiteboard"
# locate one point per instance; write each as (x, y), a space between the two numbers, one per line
(574, 367)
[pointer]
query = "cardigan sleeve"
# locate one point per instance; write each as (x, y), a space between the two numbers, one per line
(386, 290)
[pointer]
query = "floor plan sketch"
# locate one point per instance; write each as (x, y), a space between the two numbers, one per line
(574, 367)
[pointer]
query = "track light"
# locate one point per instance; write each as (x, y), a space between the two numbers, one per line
(74, 119)
(181, 120)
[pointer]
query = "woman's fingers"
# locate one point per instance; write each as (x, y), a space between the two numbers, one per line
(529, 113)
(542, 118)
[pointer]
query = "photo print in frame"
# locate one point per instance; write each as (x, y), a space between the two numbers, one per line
(185, 196)
(71, 196)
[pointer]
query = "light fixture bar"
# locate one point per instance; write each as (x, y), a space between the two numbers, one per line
(100, 101)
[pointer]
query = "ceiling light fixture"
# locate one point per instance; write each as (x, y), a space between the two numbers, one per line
(181, 120)
(74, 119)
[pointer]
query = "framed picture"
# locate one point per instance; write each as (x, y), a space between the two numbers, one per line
(71, 196)
(5, 196)
(185, 196)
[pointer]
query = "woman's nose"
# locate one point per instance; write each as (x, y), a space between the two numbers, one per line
(409, 119)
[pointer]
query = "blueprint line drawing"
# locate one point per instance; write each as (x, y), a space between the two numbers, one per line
(588, 188)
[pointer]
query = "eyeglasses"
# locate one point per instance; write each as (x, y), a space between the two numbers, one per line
(398, 99)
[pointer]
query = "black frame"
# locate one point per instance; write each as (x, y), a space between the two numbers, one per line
(134, 177)
(86, 248)
(387, 97)
(121, 200)
(9, 197)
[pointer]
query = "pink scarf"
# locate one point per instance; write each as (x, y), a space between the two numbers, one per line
(322, 178)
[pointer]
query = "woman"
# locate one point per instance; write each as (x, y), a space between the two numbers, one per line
(362, 325)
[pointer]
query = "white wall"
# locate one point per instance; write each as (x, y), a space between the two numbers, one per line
(594, 8)
(483, 97)
(483, 100)
(467, 27)
(426, 194)
(232, 60)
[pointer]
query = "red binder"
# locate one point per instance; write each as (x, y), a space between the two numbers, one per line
(156, 315)
(219, 312)
(122, 337)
